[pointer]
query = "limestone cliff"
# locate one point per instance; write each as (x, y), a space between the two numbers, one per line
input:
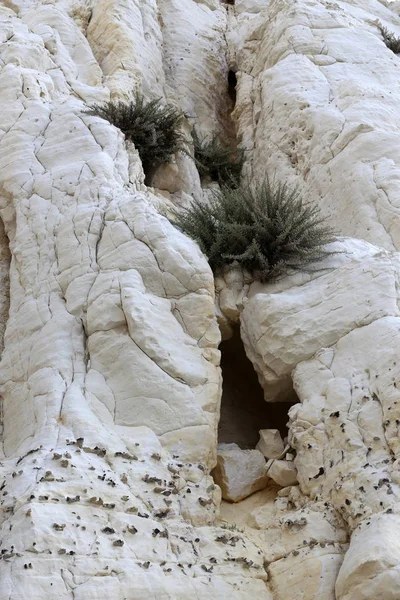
(111, 321)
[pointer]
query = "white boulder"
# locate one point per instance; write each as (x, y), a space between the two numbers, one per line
(239, 473)
(283, 472)
(287, 321)
(270, 444)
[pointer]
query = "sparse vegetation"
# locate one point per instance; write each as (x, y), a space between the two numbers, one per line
(267, 229)
(153, 128)
(390, 39)
(217, 160)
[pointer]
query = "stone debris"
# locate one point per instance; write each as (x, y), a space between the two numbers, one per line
(239, 473)
(283, 472)
(271, 444)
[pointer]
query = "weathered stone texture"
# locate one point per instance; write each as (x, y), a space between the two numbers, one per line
(110, 379)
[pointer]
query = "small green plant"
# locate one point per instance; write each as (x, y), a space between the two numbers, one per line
(390, 39)
(267, 229)
(217, 160)
(153, 128)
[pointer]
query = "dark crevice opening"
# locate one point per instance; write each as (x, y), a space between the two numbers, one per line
(149, 173)
(232, 82)
(5, 263)
(243, 408)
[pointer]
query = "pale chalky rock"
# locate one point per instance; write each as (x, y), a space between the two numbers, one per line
(110, 379)
(321, 86)
(289, 320)
(283, 472)
(270, 444)
(345, 433)
(110, 384)
(301, 534)
(345, 430)
(239, 473)
(372, 565)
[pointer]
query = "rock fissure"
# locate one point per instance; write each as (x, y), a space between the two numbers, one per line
(80, 369)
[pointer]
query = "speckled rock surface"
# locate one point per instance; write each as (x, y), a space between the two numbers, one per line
(345, 430)
(346, 436)
(109, 373)
(317, 103)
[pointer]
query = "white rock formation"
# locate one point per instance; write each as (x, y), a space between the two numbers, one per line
(110, 380)
(350, 409)
(270, 444)
(317, 103)
(345, 431)
(288, 321)
(304, 545)
(283, 472)
(239, 473)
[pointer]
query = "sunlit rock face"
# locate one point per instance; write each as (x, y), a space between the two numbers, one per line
(345, 430)
(353, 413)
(110, 377)
(112, 319)
(287, 321)
(317, 104)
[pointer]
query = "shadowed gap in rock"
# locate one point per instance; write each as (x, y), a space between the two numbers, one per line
(232, 82)
(5, 260)
(243, 408)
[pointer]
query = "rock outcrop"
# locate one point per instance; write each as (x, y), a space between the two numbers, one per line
(111, 318)
(345, 431)
(317, 104)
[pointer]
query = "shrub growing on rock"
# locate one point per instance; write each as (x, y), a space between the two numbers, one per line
(153, 128)
(267, 229)
(217, 160)
(390, 39)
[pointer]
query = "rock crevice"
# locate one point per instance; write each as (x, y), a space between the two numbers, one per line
(110, 373)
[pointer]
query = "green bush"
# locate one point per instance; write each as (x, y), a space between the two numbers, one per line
(153, 128)
(266, 230)
(217, 160)
(390, 39)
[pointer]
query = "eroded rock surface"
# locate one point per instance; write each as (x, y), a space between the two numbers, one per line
(346, 436)
(317, 104)
(110, 378)
(345, 430)
(288, 321)
(110, 375)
